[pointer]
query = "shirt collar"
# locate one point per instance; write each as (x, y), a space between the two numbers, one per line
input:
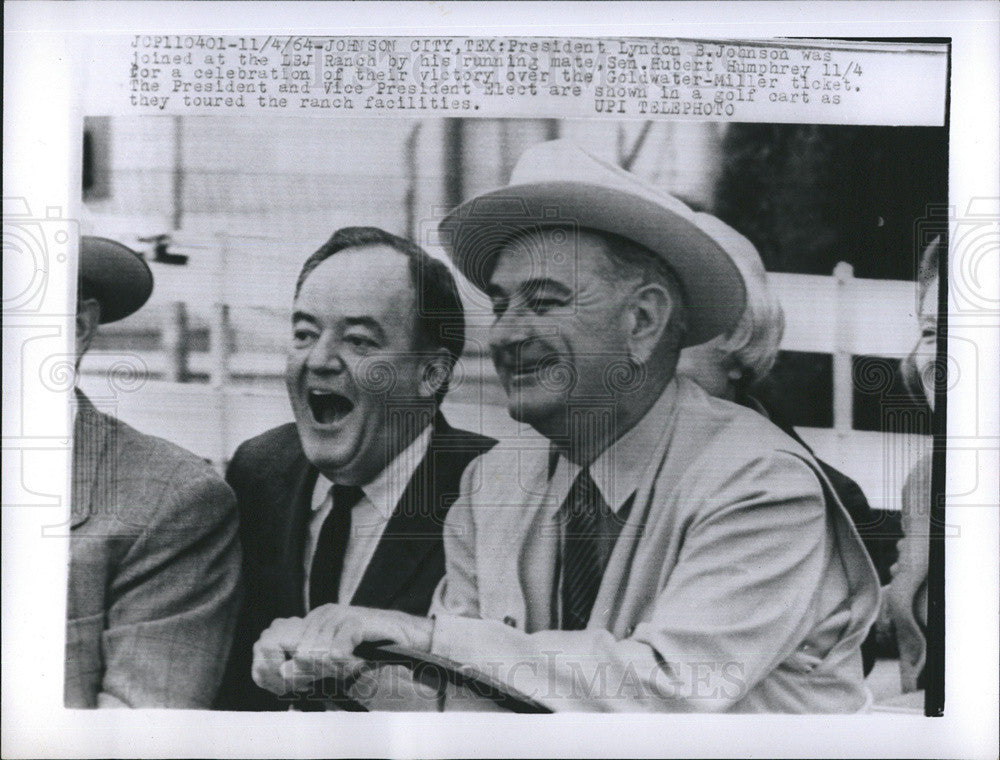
(388, 486)
(618, 469)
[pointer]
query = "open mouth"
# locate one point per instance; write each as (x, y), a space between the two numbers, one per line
(328, 407)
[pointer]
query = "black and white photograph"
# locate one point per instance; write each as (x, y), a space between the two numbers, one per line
(509, 373)
(805, 473)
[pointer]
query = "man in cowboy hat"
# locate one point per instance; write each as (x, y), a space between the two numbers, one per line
(664, 550)
(154, 554)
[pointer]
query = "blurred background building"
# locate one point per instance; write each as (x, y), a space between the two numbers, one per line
(226, 209)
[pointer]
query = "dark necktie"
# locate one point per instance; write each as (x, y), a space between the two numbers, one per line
(582, 566)
(328, 559)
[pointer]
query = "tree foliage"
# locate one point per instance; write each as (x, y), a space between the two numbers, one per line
(809, 196)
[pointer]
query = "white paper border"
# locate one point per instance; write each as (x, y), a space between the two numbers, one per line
(41, 133)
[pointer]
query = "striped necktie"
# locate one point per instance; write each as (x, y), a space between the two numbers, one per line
(582, 566)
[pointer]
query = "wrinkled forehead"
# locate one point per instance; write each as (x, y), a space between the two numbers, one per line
(558, 252)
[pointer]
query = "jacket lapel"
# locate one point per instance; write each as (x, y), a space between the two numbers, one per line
(414, 529)
(294, 504)
(90, 439)
(530, 547)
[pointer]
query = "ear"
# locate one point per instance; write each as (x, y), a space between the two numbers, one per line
(88, 317)
(435, 373)
(647, 316)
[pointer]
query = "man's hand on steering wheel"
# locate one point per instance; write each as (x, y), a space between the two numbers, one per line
(295, 652)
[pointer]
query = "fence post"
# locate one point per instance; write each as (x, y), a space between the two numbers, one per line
(176, 344)
(843, 375)
(220, 346)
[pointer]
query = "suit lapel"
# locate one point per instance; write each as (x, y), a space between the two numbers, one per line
(90, 438)
(414, 529)
(294, 505)
(530, 546)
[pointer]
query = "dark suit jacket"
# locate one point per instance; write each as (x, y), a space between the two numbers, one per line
(154, 570)
(274, 483)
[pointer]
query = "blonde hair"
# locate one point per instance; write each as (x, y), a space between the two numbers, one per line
(755, 340)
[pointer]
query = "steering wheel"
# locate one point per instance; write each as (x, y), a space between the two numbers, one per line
(431, 671)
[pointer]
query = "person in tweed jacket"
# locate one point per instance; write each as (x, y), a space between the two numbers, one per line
(154, 571)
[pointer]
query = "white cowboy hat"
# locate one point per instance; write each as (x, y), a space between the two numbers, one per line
(558, 182)
(114, 274)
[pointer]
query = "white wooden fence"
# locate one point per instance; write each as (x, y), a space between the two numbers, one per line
(230, 276)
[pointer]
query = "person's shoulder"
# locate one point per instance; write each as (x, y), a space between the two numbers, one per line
(714, 423)
(156, 455)
(265, 462)
(161, 481)
(271, 448)
(719, 447)
(525, 453)
(460, 440)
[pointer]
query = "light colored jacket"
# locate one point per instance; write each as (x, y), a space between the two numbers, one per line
(154, 570)
(906, 595)
(732, 586)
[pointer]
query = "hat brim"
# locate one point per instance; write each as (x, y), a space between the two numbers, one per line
(118, 277)
(474, 232)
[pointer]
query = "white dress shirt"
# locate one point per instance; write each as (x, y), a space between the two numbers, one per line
(616, 472)
(368, 517)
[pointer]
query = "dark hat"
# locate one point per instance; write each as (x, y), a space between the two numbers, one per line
(114, 274)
